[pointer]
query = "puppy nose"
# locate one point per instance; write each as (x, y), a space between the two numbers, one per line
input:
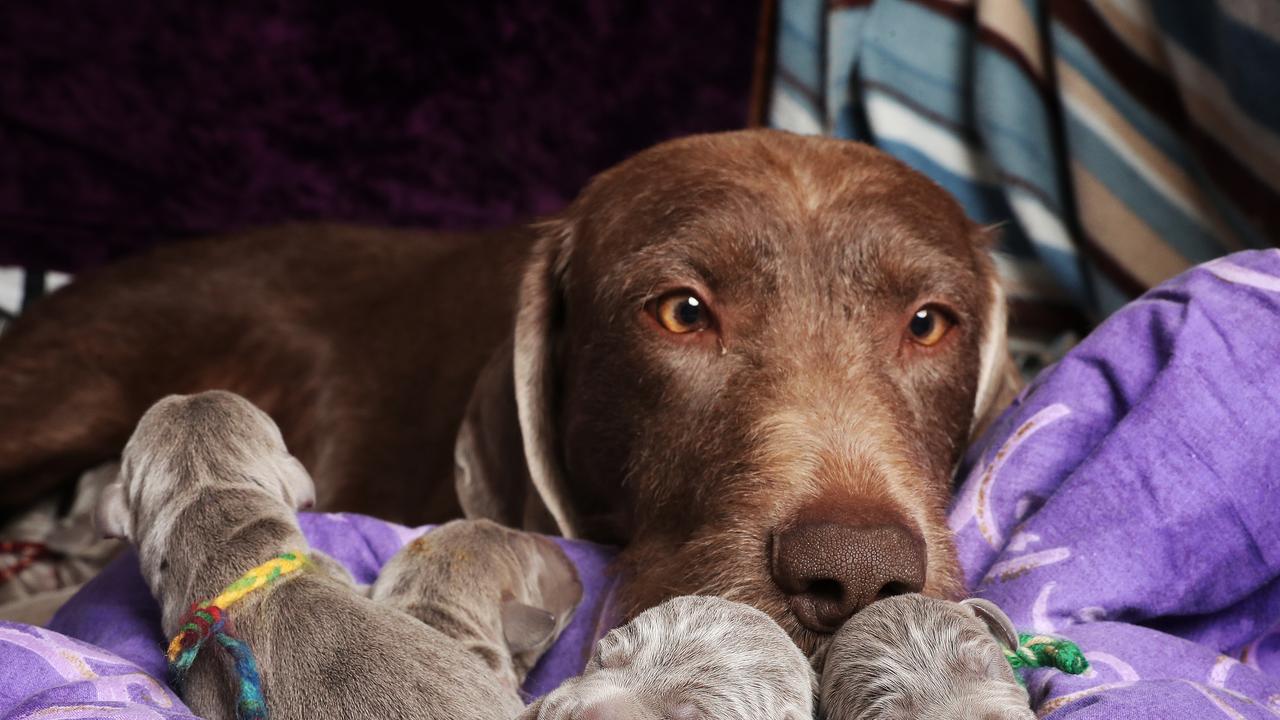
(830, 571)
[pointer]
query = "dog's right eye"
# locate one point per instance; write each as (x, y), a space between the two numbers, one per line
(680, 312)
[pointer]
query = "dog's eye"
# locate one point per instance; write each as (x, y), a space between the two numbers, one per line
(928, 326)
(681, 312)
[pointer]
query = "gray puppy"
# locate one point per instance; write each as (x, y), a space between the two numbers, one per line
(690, 658)
(912, 657)
(207, 492)
(452, 578)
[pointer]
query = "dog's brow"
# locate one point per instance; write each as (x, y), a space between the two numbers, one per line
(643, 273)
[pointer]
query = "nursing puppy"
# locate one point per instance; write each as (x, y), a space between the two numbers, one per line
(912, 657)
(452, 577)
(690, 658)
(207, 491)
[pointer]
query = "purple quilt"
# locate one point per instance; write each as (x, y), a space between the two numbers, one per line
(1130, 499)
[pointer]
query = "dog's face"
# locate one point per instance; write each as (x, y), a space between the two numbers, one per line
(691, 658)
(754, 359)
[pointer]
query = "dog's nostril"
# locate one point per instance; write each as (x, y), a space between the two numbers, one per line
(891, 589)
(825, 589)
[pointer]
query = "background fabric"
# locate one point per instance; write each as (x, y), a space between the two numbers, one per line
(1127, 500)
(1116, 142)
(127, 123)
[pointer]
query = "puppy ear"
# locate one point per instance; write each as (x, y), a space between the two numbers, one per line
(998, 378)
(526, 627)
(298, 482)
(112, 516)
(559, 586)
(996, 621)
(507, 467)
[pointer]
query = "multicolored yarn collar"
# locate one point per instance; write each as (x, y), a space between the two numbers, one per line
(208, 619)
(1037, 651)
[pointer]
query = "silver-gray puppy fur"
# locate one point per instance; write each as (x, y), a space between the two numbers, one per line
(207, 492)
(912, 657)
(690, 658)
(452, 578)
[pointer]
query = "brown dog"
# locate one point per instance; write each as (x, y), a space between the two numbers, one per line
(752, 358)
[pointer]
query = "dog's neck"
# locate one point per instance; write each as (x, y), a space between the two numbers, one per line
(214, 538)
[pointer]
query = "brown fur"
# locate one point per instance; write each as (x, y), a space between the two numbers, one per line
(573, 410)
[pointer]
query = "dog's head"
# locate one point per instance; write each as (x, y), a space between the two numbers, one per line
(753, 359)
(924, 658)
(176, 450)
(509, 592)
(690, 658)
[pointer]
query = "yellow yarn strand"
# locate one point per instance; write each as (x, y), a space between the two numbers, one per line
(265, 574)
(260, 576)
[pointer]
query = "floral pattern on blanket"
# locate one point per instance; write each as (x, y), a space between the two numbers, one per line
(65, 678)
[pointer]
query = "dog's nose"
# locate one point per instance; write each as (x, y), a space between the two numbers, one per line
(829, 570)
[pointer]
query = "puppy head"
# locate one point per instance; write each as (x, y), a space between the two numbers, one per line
(521, 585)
(185, 444)
(754, 359)
(691, 658)
(915, 657)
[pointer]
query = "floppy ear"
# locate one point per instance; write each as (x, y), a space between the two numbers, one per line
(559, 586)
(302, 489)
(112, 516)
(996, 621)
(998, 378)
(526, 627)
(507, 467)
(491, 476)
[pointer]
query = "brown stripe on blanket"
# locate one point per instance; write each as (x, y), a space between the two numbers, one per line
(1159, 93)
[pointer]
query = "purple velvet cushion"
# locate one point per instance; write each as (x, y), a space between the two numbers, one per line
(127, 123)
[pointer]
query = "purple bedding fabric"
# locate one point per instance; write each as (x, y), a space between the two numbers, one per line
(1128, 500)
(128, 123)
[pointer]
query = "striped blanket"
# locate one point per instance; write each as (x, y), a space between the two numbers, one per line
(1117, 141)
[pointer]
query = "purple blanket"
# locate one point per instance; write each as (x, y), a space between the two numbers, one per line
(1129, 500)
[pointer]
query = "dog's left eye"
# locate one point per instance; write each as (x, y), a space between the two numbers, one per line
(681, 312)
(929, 325)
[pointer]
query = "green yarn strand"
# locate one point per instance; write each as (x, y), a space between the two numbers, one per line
(1042, 651)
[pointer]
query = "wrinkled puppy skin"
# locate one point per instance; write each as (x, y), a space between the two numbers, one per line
(504, 594)
(690, 658)
(207, 491)
(912, 657)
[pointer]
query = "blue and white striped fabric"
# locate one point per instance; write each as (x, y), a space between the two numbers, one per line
(1119, 142)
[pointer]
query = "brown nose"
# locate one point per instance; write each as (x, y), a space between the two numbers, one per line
(830, 571)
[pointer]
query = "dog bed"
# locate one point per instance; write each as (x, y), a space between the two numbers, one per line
(1128, 500)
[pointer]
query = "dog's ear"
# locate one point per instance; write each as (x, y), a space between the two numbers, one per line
(491, 477)
(998, 378)
(996, 621)
(112, 516)
(526, 627)
(298, 482)
(558, 585)
(507, 467)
